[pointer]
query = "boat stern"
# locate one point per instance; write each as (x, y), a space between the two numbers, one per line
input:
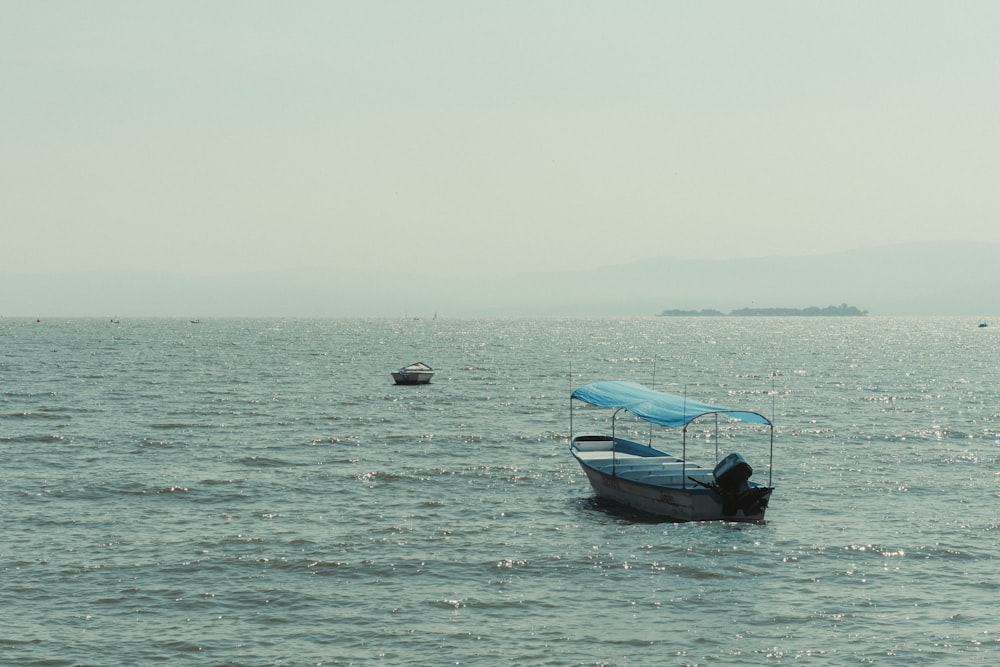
(732, 479)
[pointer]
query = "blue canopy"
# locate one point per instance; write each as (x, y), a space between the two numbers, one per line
(654, 406)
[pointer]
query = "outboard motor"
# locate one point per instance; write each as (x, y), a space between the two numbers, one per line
(732, 476)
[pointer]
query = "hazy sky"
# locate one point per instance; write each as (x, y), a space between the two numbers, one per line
(217, 136)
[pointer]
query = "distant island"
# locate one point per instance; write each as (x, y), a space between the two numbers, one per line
(843, 310)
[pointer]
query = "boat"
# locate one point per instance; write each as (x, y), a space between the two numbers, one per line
(983, 324)
(415, 373)
(651, 481)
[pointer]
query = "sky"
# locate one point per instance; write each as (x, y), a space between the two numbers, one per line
(465, 137)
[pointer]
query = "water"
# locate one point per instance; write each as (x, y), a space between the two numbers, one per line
(258, 492)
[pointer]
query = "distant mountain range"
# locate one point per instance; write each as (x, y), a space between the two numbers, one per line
(953, 278)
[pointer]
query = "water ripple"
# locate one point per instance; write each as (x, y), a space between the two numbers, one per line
(258, 492)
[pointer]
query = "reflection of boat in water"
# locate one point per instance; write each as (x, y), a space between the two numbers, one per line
(654, 482)
(415, 373)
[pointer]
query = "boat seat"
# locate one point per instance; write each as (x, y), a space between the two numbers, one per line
(587, 445)
(652, 461)
(605, 455)
(668, 476)
(640, 464)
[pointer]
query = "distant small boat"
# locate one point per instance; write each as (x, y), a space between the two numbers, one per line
(415, 373)
(983, 325)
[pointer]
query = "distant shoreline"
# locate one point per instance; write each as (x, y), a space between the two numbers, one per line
(843, 310)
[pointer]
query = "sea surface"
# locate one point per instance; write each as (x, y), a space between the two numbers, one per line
(258, 492)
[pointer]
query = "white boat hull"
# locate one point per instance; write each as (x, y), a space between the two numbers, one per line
(693, 503)
(415, 373)
(412, 378)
